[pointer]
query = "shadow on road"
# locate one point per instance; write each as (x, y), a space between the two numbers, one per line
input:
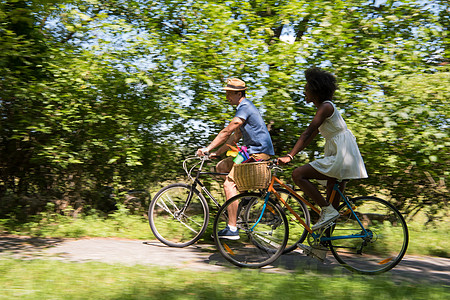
(411, 269)
(23, 245)
(202, 256)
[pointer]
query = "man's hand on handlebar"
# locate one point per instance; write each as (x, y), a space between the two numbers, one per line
(214, 155)
(202, 152)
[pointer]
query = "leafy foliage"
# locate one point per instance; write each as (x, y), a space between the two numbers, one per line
(115, 93)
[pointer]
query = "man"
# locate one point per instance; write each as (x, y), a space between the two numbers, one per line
(249, 124)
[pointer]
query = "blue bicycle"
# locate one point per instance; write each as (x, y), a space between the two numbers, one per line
(369, 237)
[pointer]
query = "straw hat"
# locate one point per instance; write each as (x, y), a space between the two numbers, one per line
(235, 84)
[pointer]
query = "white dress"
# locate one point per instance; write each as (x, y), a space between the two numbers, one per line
(342, 159)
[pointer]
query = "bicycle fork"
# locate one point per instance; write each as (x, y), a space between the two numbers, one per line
(262, 211)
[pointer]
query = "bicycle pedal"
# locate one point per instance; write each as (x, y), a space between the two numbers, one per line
(319, 254)
(319, 247)
(321, 230)
(329, 225)
(306, 249)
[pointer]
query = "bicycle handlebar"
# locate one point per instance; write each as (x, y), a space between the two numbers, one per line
(273, 164)
(202, 159)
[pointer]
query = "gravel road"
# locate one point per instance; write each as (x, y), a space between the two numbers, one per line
(200, 257)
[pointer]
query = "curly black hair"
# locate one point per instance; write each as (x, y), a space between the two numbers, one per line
(321, 83)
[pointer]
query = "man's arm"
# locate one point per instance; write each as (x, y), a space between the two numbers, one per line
(224, 135)
(234, 138)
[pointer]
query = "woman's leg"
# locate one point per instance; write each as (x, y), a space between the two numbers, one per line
(301, 177)
(337, 198)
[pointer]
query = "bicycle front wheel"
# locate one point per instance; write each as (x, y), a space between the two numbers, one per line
(173, 221)
(263, 231)
(378, 247)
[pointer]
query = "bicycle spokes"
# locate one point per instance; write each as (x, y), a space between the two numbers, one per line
(174, 220)
(372, 239)
(263, 231)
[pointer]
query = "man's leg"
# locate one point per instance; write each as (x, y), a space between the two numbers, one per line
(230, 189)
(224, 166)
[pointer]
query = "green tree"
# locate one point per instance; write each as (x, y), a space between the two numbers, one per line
(116, 93)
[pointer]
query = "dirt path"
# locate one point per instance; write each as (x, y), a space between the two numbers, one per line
(200, 257)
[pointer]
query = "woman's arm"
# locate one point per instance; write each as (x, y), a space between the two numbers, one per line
(324, 111)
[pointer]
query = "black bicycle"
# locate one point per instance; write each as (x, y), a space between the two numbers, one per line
(179, 213)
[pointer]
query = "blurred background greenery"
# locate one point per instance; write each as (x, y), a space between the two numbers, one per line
(101, 97)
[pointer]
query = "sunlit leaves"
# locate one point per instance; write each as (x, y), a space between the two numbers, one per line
(122, 88)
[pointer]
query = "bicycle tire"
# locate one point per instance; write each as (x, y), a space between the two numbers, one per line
(176, 230)
(378, 253)
(258, 245)
(297, 232)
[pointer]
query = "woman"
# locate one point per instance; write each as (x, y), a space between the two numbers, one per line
(342, 159)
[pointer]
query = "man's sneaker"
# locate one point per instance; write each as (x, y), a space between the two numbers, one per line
(228, 234)
(327, 215)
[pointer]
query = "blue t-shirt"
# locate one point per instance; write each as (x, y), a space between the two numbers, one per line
(254, 130)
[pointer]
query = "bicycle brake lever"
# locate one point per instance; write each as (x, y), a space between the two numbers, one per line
(275, 166)
(205, 155)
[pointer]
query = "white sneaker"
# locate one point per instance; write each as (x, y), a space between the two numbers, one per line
(327, 215)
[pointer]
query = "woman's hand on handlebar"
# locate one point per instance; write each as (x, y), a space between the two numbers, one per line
(284, 160)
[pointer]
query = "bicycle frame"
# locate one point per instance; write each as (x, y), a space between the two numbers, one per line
(336, 189)
(196, 181)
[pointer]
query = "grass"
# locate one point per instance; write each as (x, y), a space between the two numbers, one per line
(49, 279)
(429, 240)
(118, 224)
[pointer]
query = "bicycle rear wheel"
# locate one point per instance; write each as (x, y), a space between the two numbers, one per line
(171, 225)
(263, 231)
(385, 244)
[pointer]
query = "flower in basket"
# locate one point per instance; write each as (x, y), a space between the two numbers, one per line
(233, 152)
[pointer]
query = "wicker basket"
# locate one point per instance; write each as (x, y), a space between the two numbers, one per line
(251, 176)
